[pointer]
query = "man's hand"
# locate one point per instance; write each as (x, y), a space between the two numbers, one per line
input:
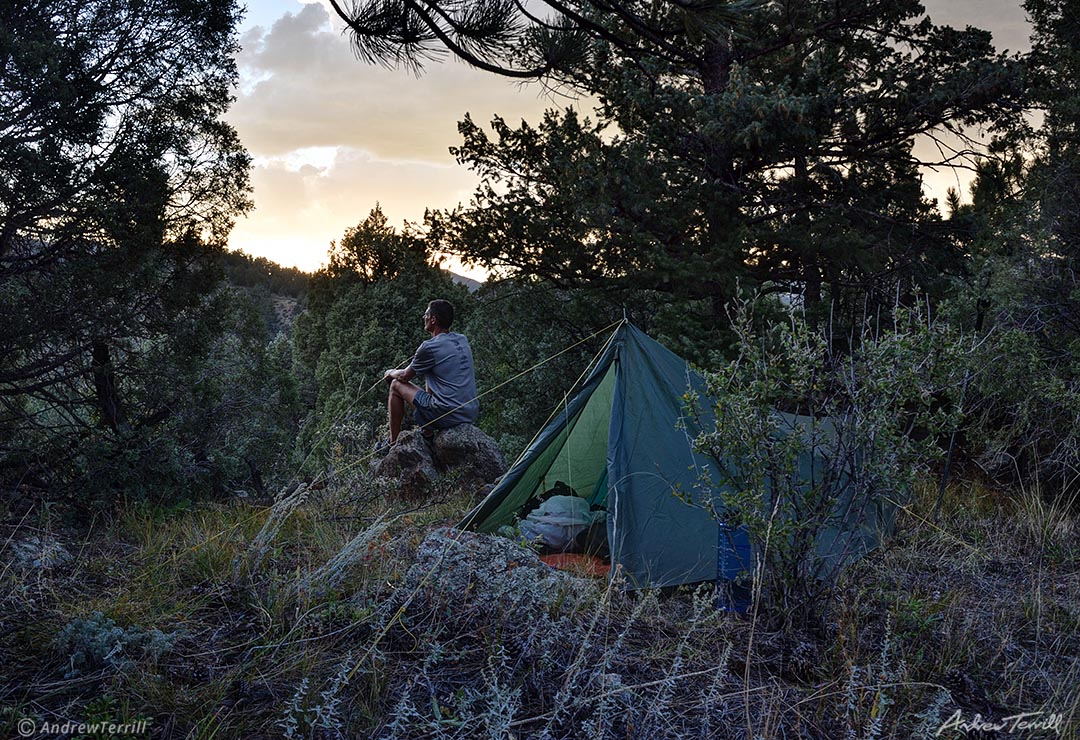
(404, 374)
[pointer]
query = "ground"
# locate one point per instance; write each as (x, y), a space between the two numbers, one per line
(342, 612)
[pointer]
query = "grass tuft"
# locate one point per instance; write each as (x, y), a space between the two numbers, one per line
(336, 613)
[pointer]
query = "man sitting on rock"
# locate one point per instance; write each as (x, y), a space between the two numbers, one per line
(446, 363)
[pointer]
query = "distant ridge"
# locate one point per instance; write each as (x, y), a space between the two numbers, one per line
(246, 270)
(471, 285)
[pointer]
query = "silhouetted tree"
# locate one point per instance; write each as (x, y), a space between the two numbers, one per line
(118, 181)
(770, 143)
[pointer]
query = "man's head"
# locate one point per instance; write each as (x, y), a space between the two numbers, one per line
(442, 312)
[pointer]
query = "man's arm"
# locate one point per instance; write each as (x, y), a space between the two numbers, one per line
(405, 374)
(421, 363)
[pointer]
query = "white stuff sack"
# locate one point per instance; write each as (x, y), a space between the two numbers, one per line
(557, 521)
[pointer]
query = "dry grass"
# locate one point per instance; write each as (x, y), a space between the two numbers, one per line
(338, 623)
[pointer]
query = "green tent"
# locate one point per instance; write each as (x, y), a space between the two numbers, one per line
(625, 442)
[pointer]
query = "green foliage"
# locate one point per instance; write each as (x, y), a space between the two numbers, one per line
(110, 116)
(228, 414)
(1055, 179)
(242, 414)
(779, 155)
(1022, 402)
(515, 325)
(118, 180)
(816, 491)
(1021, 229)
(364, 317)
(1023, 411)
(373, 251)
(252, 272)
(279, 293)
(97, 642)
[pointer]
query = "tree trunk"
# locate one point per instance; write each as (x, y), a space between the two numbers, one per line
(105, 390)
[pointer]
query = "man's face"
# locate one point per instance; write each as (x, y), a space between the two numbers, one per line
(429, 320)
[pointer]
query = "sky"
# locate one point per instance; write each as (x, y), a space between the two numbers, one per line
(331, 136)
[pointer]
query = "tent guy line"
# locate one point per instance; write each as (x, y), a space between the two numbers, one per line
(364, 458)
(610, 474)
(247, 520)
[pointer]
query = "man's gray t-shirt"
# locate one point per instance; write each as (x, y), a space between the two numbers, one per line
(446, 362)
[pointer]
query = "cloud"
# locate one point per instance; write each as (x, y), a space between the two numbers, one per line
(300, 207)
(304, 87)
(331, 135)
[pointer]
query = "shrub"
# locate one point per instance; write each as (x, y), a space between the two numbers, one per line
(212, 406)
(97, 642)
(514, 326)
(814, 490)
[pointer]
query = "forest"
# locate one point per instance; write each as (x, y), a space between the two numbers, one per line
(196, 542)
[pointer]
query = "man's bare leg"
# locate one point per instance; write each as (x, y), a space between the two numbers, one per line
(400, 393)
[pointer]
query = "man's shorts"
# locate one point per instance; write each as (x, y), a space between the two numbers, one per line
(424, 415)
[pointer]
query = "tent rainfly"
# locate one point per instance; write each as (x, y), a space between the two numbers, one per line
(624, 442)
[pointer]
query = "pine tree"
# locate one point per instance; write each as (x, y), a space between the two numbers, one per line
(769, 144)
(118, 183)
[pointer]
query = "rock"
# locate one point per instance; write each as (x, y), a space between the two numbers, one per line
(410, 462)
(494, 575)
(464, 452)
(470, 454)
(464, 583)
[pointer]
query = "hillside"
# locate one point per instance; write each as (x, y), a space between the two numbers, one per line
(803, 436)
(337, 612)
